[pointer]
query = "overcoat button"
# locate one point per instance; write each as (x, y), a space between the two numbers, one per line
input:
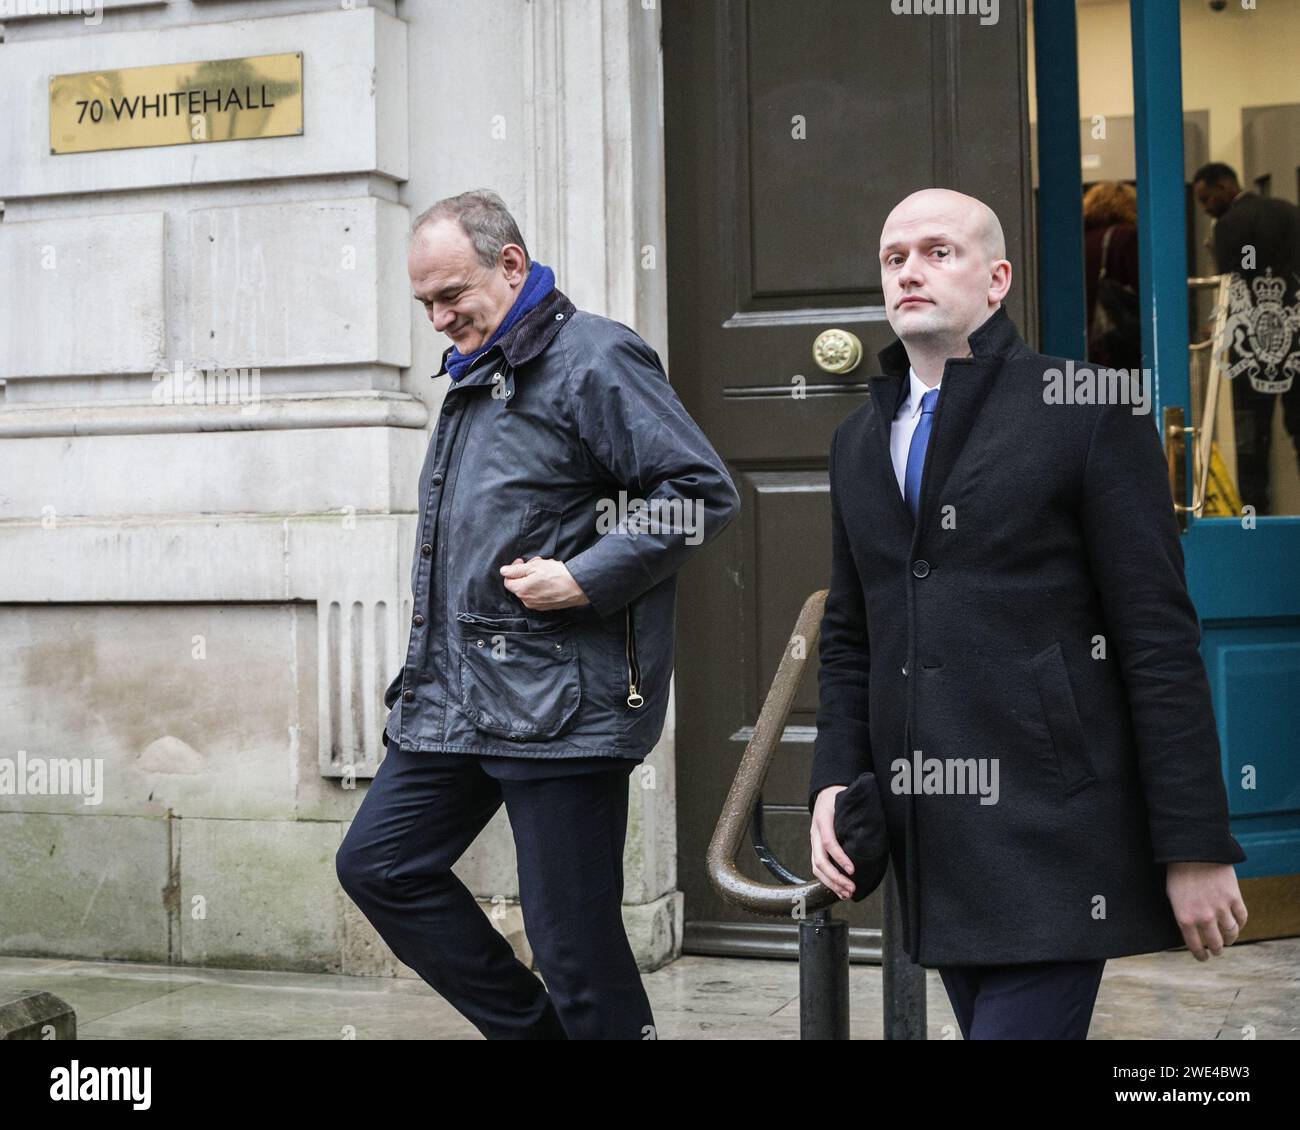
(426, 549)
(408, 696)
(921, 569)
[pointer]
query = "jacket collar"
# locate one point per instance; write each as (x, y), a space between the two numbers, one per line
(995, 335)
(963, 394)
(524, 341)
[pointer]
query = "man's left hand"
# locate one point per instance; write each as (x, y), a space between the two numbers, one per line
(1207, 904)
(543, 584)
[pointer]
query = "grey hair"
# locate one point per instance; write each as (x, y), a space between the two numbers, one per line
(483, 217)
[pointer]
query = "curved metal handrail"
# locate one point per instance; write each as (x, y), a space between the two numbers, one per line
(728, 840)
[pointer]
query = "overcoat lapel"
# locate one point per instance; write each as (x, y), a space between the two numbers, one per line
(965, 387)
(887, 393)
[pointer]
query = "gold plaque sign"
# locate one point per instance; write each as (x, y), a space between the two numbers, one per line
(177, 104)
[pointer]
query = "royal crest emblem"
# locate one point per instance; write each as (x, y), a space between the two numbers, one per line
(1264, 335)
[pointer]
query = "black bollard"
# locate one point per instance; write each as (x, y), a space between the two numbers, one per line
(823, 978)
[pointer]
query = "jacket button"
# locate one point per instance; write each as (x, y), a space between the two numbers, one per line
(419, 620)
(408, 696)
(921, 569)
(904, 668)
(426, 549)
(437, 478)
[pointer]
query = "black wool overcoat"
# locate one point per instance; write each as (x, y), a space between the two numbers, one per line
(1036, 616)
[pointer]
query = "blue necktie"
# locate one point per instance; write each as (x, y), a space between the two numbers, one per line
(916, 453)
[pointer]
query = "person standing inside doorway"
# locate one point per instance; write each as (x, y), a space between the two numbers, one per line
(1257, 240)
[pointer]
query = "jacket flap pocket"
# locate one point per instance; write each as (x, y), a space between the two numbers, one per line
(1062, 718)
(522, 686)
(532, 621)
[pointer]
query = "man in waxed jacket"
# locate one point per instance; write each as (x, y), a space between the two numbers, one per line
(564, 486)
(1009, 647)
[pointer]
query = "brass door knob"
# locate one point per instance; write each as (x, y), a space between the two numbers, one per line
(837, 351)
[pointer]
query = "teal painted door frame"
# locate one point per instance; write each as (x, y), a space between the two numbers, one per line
(1243, 573)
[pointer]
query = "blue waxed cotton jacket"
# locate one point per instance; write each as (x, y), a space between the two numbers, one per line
(531, 451)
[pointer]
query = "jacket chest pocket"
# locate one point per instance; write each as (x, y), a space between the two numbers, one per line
(1062, 718)
(519, 685)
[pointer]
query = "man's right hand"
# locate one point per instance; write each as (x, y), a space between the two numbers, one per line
(826, 848)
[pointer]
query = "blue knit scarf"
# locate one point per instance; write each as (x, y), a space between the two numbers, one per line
(540, 283)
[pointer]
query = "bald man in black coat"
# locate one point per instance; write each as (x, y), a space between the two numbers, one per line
(1009, 646)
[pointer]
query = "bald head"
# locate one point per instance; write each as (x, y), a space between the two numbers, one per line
(955, 210)
(943, 267)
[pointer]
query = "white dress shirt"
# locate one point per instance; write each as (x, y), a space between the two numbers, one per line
(904, 426)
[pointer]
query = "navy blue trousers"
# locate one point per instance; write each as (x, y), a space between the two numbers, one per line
(421, 812)
(1044, 1000)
